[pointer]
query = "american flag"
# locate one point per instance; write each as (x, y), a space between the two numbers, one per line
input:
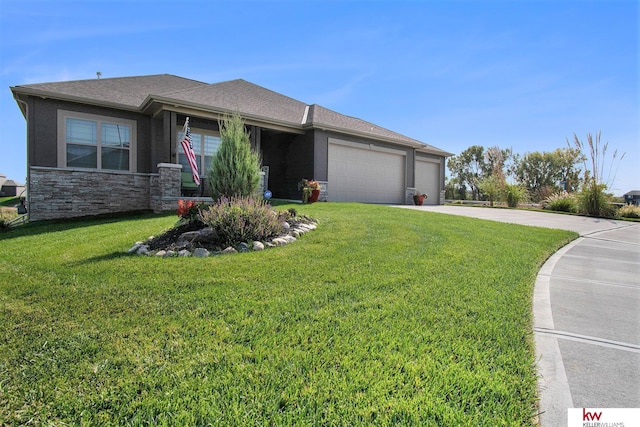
(187, 146)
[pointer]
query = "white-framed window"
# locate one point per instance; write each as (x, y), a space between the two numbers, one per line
(89, 141)
(205, 146)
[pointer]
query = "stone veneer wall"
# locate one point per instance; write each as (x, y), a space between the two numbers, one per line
(66, 193)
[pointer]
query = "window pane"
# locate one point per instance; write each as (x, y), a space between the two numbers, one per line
(115, 135)
(196, 140)
(115, 158)
(211, 145)
(82, 156)
(81, 131)
(207, 164)
(182, 159)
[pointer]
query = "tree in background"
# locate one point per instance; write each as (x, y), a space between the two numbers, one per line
(235, 169)
(475, 165)
(540, 173)
(453, 189)
(468, 168)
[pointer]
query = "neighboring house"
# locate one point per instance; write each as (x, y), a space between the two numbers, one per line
(10, 188)
(112, 145)
(632, 198)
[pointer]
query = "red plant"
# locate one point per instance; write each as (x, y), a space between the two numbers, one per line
(187, 209)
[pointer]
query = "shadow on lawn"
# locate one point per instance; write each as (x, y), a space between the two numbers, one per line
(106, 257)
(54, 226)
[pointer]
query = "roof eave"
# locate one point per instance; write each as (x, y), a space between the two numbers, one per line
(434, 150)
(44, 94)
(416, 145)
(165, 103)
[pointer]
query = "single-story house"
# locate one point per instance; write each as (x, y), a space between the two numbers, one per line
(10, 188)
(113, 145)
(632, 197)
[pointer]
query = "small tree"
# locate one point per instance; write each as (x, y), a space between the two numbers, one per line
(235, 169)
(490, 187)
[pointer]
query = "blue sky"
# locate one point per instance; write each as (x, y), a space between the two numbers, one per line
(520, 74)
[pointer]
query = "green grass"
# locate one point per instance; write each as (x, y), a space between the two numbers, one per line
(381, 316)
(9, 201)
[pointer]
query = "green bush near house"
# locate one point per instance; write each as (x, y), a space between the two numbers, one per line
(235, 168)
(242, 219)
(381, 316)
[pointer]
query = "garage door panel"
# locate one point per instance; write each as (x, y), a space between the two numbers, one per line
(364, 175)
(427, 180)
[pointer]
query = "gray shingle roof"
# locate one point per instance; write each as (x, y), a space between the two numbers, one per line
(245, 97)
(251, 100)
(128, 92)
(321, 117)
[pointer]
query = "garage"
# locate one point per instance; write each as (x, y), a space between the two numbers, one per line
(365, 173)
(427, 179)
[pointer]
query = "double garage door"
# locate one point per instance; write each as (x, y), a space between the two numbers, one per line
(365, 173)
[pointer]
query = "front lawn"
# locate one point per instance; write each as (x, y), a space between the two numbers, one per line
(380, 316)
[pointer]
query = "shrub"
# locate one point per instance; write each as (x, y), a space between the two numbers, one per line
(592, 200)
(514, 194)
(235, 169)
(629, 211)
(242, 219)
(561, 202)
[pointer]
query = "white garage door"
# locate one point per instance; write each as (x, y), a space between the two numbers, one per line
(363, 173)
(427, 179)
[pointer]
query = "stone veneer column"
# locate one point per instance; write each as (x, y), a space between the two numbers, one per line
(166, 189)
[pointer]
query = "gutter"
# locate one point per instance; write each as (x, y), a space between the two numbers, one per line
(25, 113)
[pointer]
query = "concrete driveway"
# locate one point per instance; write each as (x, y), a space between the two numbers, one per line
(586, 312)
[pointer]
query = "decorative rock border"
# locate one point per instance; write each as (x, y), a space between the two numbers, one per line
(186, 243)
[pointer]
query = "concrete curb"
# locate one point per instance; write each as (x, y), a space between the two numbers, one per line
(553, 384)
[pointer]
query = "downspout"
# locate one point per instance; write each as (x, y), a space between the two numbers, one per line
(28, 183)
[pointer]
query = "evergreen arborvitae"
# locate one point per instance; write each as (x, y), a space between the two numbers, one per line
(235, 167)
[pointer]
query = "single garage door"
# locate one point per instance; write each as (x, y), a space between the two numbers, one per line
(365, 173)
(427, 180)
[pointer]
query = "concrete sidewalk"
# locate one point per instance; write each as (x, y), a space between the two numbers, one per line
(586, 312)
